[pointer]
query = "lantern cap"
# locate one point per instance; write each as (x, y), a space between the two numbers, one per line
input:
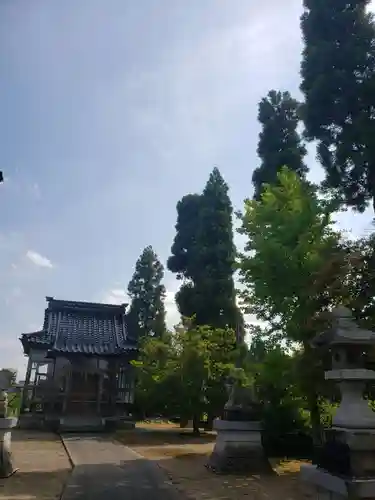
(343, 331)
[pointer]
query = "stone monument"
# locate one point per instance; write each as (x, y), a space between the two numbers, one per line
(6, 424)
(346, 463)
(238, 447)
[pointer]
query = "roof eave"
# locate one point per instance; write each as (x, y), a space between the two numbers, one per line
(31, 343)
(52, 353)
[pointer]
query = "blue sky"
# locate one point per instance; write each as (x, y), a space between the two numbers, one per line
(110, 112)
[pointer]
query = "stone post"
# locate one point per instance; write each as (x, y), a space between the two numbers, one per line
(26, 388)
(346, 464)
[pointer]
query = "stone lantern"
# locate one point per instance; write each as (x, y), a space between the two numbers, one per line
(346, 463)
(238, 447)
(6, 424)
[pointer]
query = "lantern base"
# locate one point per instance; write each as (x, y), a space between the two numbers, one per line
(238, 449)
(330, 487)
(6, 464)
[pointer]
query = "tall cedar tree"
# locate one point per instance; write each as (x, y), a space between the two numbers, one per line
(280, 143)
(184, 261)
(203, 256)
(338, 82)
(147, 295)
(218, 255)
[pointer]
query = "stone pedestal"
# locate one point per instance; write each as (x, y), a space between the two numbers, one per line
(346, 466)
(238, 448)
(331, 487)
(6, 466)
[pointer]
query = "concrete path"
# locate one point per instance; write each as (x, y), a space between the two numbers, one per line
(106, 470)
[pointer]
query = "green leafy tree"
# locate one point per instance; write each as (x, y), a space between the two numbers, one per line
(223, 351)
(147, 295)
(338, 82)
(275, 371)
(280, 393)
(189, 368)
(203, 256)
(155, 378)
(279, 140)
(361, 279)
(292, 269)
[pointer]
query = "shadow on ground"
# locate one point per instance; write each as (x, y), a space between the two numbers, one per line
(135, 479)
(26, 435)
(149, 437)
(183, 457)
(33, 485)
(166, 478)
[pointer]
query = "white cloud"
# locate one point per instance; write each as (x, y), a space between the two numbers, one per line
(119, 296)
(116, 296)
(38, 259)
(172, 315)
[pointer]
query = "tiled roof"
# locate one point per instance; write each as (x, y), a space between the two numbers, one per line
(82, 327)
(40, 337)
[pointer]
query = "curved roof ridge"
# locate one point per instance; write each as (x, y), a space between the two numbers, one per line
(75, 304)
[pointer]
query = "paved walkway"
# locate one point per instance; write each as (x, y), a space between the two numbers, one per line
(106, 470)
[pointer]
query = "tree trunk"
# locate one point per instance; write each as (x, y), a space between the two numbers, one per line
(183, 422)
(316, 426)
(196, 421)
(210, 422)
(312, 397)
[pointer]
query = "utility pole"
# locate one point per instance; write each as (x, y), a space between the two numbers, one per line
(1, 176)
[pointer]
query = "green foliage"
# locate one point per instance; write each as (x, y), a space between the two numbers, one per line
(279, 141)
(361, 279)
(338, 82)
(293, 258)
(293, 270)
(185, 245)
(203, 256)
(147, 293)
(276, 380)
(217, 256)
(327, 411)
(155, 392)
(185, 373)
(14, 404)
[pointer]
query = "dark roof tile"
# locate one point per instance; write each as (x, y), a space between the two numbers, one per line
(82, 327)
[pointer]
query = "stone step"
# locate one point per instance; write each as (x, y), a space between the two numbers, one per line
(81, 424)
(30, 422)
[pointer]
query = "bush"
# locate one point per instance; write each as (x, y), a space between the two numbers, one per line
(14, 403)
(285, 431)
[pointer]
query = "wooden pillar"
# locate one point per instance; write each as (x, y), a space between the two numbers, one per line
(100, 392)
(25, 392)
(67, 390)
(113, 385)
(132, 382)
